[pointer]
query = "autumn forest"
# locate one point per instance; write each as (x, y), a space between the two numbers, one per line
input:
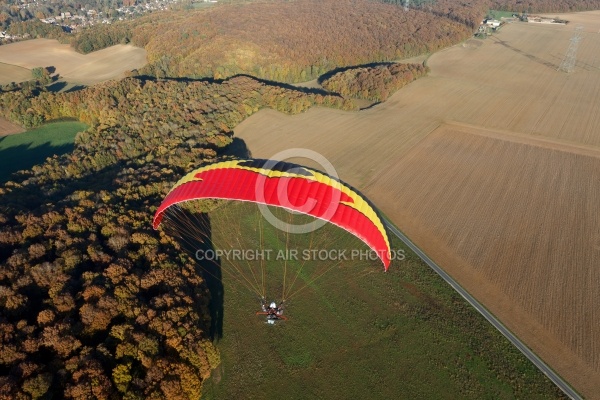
(93, 302)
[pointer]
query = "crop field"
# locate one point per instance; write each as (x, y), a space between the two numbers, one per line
(512, 82)
(8, 128)
(88, 69)
(524, 216)
(12, 73)
(358, 332)
(26, 149)
(490, 164)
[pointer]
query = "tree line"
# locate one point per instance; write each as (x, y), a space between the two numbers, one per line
(281, 41)
(300, 40)
(93, 302)
(293, 41)
(374, 83)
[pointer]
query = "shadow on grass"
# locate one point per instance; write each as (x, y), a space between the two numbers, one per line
(212, 275)
(24, 156)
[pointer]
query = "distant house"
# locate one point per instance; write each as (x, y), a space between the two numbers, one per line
(494, 23)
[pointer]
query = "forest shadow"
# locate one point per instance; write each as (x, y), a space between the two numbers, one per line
(56, 86)
(62, 86)
(193, 231)
(212, 274)
(183, 79)
(289, 86)
(237, 148)
(75, 88)
(30, 195)
(331, 73)
(306, 90)
(23, 156)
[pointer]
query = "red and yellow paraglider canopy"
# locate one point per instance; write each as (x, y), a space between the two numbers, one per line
(285, 185)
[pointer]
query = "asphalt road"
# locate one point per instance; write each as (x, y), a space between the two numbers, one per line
(553, 376)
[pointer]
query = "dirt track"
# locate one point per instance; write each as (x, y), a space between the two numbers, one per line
(490, 164)
(99, 66)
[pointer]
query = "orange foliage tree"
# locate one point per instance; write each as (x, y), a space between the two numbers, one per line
(93, 302)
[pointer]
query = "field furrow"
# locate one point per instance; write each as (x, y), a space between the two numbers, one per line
(8, 128)
(490, 164)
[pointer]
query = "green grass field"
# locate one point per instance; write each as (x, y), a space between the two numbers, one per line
(24, 150)
(497, 14)
(360, 333)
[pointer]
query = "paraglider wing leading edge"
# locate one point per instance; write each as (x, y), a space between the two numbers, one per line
(285, 185)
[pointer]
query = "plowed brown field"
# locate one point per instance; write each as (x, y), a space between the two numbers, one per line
(490, 164)
(12, 73)
(88, 69)
(8, 128)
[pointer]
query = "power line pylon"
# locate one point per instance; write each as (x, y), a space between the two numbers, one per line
(568, 63)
